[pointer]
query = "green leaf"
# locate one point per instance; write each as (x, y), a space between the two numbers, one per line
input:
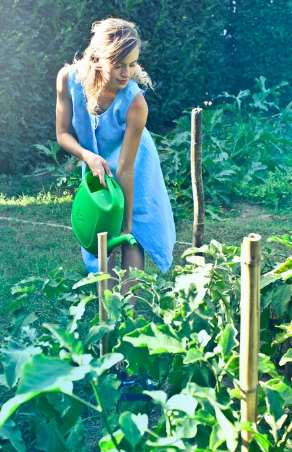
(15, 356)
(205, 418)
(22, 318)
(275, 402)
(76, 438)
(133, 426)
(108, 388)
(281, 337)
(113, 303)
(43, 374)
(159, 397)
(28, 285)
(98, 331)
(284, 268)
(181, 402)
(106, 443)
(228, 429)
(217, 437)
(281, 388)
(105, 362)
(281, 296)
(283, 239)
(161, 339)
(193, 355)
(287, 358)
(168, 302)
(66, 339)
(91, 279)
(9, 431)
(228, 340)
(186, 428)
(262, 441)
(268, 279)
(65, 409)
(49, 438)
(78, 311)
(266, 366)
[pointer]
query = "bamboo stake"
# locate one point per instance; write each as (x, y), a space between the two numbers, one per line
(196, 175)
(102, 286)
(249, 331)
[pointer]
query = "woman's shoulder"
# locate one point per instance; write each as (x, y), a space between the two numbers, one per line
(138, 111)
(65, 71)
(63, 75)
(62, 79)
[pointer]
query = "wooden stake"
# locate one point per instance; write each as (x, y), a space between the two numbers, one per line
(249, 331)
(197, 180)
(102, 286)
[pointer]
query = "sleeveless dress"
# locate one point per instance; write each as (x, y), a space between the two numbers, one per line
(152, 219)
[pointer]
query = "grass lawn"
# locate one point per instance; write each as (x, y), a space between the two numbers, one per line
(32, 246)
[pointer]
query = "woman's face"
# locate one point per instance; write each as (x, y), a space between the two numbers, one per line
(118, 75)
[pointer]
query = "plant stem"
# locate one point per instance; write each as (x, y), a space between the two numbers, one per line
(89, 405)
(98, 399)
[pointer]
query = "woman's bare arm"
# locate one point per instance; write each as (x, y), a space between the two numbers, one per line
(95, 162)
(136, 120)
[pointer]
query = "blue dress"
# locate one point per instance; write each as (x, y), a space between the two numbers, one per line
(152, 219)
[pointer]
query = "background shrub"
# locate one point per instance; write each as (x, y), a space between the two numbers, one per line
(194, 51)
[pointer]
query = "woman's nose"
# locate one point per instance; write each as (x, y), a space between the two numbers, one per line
(125, 72)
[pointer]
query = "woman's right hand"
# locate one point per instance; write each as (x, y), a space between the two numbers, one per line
(99, 166)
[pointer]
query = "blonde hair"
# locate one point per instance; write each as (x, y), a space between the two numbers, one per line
(112, 40)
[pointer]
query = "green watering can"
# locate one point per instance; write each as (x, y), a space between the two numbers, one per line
(96, 210)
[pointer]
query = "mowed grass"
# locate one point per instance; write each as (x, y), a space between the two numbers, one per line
(29, 248)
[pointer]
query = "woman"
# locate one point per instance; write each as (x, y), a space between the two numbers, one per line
(99, 98)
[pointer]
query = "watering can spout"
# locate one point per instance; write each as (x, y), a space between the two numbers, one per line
(121, 240)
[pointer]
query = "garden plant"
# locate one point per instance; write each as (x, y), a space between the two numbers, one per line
(169, 381)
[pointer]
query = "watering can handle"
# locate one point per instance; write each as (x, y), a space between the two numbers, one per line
(110, 185)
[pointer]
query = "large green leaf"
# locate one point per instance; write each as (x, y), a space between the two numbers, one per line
(159, 339)
(43, 374)
(133, 426)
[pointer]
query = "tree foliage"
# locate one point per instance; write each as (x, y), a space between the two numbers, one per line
(193, 52)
